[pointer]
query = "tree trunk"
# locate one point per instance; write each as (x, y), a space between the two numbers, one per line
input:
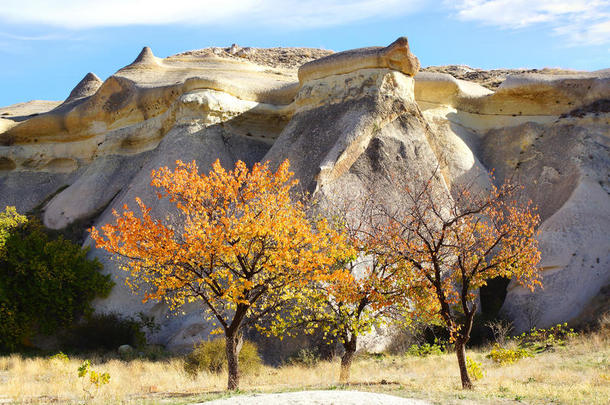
(460, 351)
(347, 358)
(233, 344)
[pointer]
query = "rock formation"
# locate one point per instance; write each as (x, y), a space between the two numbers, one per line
(85, 88)
(346, 121)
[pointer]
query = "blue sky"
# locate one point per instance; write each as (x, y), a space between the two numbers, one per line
(47, 46)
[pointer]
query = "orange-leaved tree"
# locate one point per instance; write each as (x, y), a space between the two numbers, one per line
(241, 246)
(368, 297)
(449, 244)
(364, 291)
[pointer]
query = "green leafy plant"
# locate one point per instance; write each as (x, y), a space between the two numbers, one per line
(10, 220)
(60, 357)
(475, 369)
(92, 379)
(530, 343)
(426, 349)
(45, 283)
(211, 356)
(504, 356)
(538, 340)
(304, 357)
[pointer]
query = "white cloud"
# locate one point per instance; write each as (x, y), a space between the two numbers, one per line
(581, 22)
(78, 14)
(577, 22)
(44, 37)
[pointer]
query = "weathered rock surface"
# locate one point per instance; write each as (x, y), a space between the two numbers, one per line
(492, 79)
(396, 56)
(85, 88)
(347, 122)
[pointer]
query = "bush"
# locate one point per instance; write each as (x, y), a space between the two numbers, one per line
(427, 349)
(92, 379)
(475, 369)
(507, 356)
(105, 332)
(210, 356)
(304, 357)
(538, 340)
(60, 357)
(501, 331)
(45, 283)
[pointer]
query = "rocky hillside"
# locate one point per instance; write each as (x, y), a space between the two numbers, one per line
(345, 121)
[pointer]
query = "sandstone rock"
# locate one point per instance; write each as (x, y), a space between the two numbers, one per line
(396, 56)
(282, 58)
(27, 190)
(83, 199)
(355, 132)
(135, 108)
(348, 122)
(492, 79)
(550, 133)
(12, 115)
(145, 59)
(85, 88)
(564, 168)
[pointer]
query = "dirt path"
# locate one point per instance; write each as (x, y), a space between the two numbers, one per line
(317, 398)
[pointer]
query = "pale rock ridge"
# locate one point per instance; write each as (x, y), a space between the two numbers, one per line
(12, 115)
(395, 56)
(493, 78)
(531, 95)
(133, 109)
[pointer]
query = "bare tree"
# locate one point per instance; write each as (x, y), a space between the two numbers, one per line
(448, 244)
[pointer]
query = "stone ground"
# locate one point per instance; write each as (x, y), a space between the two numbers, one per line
(317, 398)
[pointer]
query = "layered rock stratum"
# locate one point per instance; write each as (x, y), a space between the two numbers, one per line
(347, 122)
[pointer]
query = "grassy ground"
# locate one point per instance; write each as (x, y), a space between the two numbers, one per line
(578, 373)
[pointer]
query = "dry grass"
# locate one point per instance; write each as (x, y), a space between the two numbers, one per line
(579, 373)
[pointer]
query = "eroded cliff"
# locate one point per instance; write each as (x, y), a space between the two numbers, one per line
(346, 122)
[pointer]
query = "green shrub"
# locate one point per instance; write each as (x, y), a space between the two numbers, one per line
(60, 357)
(427, 349)
(10, 220)
(104, 332)
(304, 357)
(45, 283)
(507, 356)
(210, 356)
(92, 379)
(475, 369)
(529, 343)
(538, 340)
